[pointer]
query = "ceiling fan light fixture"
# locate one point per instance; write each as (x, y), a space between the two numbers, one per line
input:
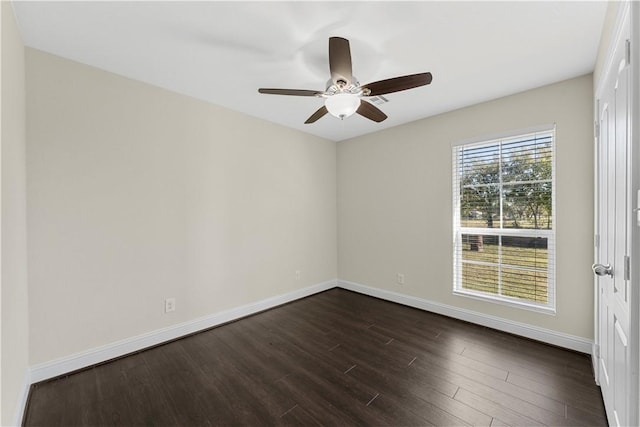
(342, 105)
(343, 91)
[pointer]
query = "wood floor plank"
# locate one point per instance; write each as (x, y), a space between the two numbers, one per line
(578, 396)
(525, 365)
(46, 404)
(336, 358)
(390, 367)
(417, 397)
(555, 387)
(365, 374)
(493, 409)
(171, 374)
(400, 414)
(120, 396)
(415, 343)
(588, 414)
(498, 423)
(542, 408)
(312, 401)
(243, 388)
(466, 413)
(481, 383)
(297, 416)
(147, 401)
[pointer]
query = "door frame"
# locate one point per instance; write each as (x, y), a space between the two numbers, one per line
(628, 10)
(634, 315)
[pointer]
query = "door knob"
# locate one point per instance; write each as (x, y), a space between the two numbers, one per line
(602, 270)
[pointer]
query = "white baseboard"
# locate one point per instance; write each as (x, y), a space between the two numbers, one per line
(22, 399)
(110, 351)
(106, 352)
(540, 334)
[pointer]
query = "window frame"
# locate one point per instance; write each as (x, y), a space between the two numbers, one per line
(459, 230)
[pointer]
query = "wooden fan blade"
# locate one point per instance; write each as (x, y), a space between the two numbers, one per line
(370, 111)
(396, 84)
(315, 116)
(340, 60)
(294, 92)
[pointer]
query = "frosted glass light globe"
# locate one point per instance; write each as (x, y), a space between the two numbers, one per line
(342, 105)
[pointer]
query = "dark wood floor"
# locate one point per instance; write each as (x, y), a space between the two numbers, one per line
(336, 358)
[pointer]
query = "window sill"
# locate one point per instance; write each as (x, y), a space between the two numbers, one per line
(506, 302)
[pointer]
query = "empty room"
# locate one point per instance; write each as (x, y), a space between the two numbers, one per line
(320, 213)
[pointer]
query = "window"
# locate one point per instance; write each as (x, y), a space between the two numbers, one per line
(504, 219)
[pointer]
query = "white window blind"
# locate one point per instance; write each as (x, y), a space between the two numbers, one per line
(504, 219)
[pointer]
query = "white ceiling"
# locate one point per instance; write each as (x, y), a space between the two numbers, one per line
(222, 52)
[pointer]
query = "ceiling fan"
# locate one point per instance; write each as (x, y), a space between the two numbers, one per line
(344, 95)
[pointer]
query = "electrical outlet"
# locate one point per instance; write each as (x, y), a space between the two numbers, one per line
(169, 305)
(297, 274)
(400, 279)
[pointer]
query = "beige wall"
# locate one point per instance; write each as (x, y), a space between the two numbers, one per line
(15, 328)
(395, 202)
(136, 194)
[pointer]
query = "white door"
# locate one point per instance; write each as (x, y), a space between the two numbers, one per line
(613, 215)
